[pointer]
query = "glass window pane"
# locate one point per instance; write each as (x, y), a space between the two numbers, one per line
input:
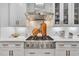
(65, 21)
(57, 13)
(76, 13)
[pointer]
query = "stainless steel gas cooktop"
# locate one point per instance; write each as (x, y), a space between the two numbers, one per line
(39, 43)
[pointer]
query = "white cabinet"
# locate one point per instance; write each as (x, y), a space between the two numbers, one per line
(11, 52)
(4, 51)
(4, 14)
(17, 14)
(67, 48)
(31, 52)
(12, 14)
(11, 48)
(74, 52)
(39, 52)
(18, 52)
(62, 49)
(47, 52)
(60, 52)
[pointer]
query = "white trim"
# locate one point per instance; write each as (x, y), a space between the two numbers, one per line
(61, 13)
(54, 13)
(69, 14)
(72, 14)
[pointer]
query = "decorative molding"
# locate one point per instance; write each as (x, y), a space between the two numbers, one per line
(8, 14)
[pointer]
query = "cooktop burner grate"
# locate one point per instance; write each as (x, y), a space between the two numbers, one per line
(39, 38)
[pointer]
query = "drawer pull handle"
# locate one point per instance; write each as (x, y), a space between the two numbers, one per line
(31, 53)
(4, 44)
(74, 45)
(17, 45)
(61, 44)
(47, 52)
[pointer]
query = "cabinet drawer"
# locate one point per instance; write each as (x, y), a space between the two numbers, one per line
(62, 45)
(75, 45)
(40, 52)
(14, 45)
(67, 44)
(4, 45)
(31, 52)
(47, 52)
(18, 45)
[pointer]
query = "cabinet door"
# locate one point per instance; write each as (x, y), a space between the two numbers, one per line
(4, 52)
(76, 13)
(74, 52)
(18, 52)
(17, 14)
(60, 52)
(4, 14)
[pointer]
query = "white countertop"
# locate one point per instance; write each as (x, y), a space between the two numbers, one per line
(66, 39)
(22, 38)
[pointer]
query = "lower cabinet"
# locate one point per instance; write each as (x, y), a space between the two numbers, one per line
(60, 52)
(11, 48)
(69, 52)
(17, 52)
(47, 52)
(39, 52)
(17, 49)
(67, 49)
(74, 52)
(11, 52)
(4, 52)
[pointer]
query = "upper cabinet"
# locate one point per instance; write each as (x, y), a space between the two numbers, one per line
(4, 14)
(61, 14)
(76, 13)
(30, 7)
(64, 14)
(15, 14)
(65, 19)
(12, 14)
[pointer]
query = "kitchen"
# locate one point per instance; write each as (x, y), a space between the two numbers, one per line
(17, 21)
